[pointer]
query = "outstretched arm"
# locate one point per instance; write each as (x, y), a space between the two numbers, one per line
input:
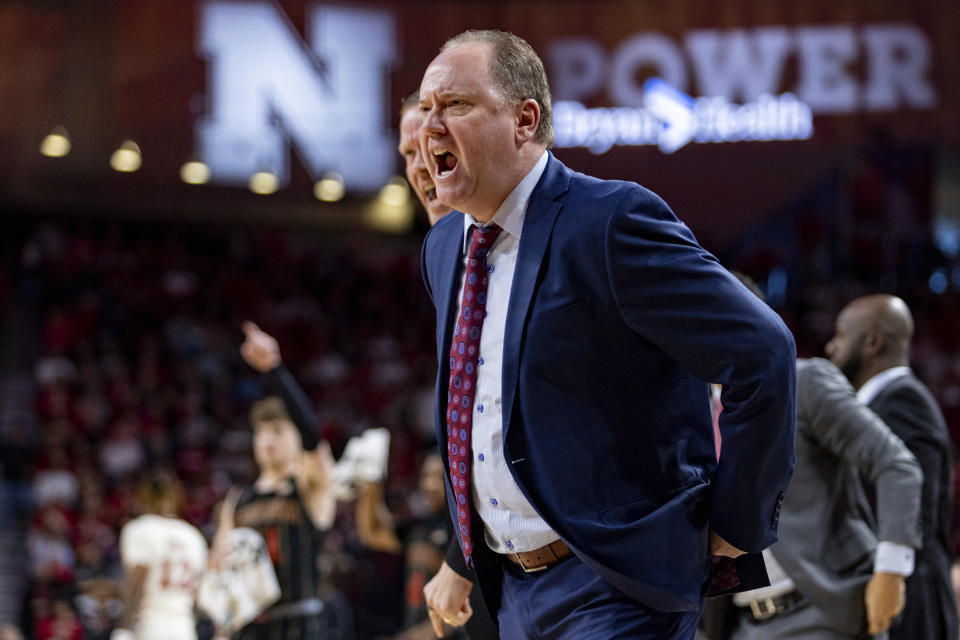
(374, 522)
(261, 351)
(135, 577)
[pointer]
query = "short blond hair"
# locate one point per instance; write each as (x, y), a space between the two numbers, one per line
(268, 409)
(412, 101)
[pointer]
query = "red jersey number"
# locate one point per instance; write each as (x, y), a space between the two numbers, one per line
(176, 573)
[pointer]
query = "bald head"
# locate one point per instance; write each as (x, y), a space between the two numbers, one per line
(888, 313)
(872, 334)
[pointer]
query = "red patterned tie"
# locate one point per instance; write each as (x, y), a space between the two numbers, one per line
(464, 351)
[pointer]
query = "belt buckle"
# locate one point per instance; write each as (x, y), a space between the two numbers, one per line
(767, 611)
(527, 569)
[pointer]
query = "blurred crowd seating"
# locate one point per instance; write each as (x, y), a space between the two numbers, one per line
(138, 326)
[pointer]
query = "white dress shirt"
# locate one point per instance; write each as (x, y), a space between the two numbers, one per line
(510, 523)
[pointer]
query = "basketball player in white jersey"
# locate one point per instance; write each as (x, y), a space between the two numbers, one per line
(163, 559)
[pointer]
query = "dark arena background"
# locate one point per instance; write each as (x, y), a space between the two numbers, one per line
(171, 169)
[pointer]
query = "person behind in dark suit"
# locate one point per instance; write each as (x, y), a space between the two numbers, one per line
(577, 323)
(450, 597)
(871, 345)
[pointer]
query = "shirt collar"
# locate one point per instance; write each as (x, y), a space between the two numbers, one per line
(513, 211)
(872, 387)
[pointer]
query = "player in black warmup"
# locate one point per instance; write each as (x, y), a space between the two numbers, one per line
(423, 540)
(291, 504)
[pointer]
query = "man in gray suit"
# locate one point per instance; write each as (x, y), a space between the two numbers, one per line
(832, 573)
(871, 346)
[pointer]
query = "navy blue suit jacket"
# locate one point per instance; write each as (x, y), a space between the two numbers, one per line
(616, 319)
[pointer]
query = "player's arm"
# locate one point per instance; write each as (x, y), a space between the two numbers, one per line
(135, 558)
(261, 351)
(316, 485)
(225, 524)
(134, 581)
(374, 523)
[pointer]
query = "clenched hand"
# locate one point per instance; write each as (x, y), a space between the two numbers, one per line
(886, 594)
(448, 599)
(260, 350)
(720, 547)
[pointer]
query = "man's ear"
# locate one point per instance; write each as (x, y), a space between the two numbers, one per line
(528, 119)
(874, 343)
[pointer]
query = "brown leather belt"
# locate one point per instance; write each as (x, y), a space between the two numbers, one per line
(542, 558)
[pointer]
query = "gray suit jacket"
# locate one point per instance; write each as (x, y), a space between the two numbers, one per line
(828, 534)
(827, 540)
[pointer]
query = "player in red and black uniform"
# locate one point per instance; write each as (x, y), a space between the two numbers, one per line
(291, 504)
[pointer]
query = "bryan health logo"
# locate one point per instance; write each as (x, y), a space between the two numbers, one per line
(671, 119)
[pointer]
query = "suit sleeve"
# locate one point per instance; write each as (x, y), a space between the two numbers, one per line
(677, 295)
(832, 415)
(455, 559)
(282, 382)
(909, 417)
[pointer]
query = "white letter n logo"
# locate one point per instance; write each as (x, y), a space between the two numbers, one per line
(266, 86)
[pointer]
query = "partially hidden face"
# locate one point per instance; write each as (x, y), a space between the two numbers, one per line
(416, 169)
(469, 132)
(845, 347)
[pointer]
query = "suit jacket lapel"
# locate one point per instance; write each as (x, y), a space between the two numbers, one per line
(541, 213)
(893, 385)
(446, 288)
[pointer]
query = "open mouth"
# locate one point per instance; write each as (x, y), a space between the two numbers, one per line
(446, 162)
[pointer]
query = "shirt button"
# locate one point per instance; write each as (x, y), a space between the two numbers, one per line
(480, 457)
(509, 545)
(493, 501)
(490, 269)
(480, 361)
(480, 408)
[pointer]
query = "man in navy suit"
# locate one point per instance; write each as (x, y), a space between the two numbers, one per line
(577, 324)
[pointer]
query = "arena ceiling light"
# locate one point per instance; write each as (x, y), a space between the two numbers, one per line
(56, 144)
(396, 193)
(329, 188)
(127, 158)
(392, 211)
(195, 172)
(264, 183)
